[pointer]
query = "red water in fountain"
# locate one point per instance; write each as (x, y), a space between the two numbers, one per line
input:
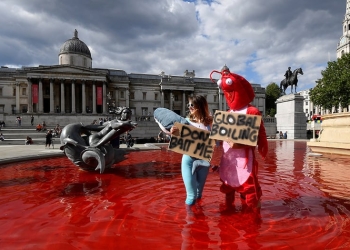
(139, 204)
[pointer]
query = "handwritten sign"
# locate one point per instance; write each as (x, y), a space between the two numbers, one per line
(235, 127)
(192, 141)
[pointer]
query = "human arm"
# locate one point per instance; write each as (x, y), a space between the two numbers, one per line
(262, 139)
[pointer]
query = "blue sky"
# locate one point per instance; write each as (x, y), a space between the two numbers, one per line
(258, 41)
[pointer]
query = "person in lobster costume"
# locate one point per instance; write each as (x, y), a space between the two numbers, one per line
(238, 166)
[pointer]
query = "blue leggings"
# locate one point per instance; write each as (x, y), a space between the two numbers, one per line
(194, 183)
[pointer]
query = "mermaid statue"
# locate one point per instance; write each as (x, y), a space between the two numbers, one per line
(89, 147)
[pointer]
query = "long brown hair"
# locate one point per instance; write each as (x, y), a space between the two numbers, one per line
(202, 115)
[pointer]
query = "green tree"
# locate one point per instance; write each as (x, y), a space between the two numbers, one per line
(334, 86)
(272, 94)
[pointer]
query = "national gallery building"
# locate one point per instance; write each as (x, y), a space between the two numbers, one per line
(73, 88)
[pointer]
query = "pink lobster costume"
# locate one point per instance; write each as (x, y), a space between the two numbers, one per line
(238, 167)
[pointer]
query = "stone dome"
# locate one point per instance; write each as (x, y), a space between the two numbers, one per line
(75, 46)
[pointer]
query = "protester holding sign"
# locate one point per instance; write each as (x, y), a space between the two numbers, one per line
(199, 117)
(238, 167)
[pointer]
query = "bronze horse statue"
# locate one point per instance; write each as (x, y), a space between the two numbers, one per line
(293, 80)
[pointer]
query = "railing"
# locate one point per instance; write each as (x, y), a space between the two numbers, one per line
(143, 118)
(269, 120)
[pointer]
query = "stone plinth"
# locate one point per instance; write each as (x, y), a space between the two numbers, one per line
(335, 135)
(290, 116)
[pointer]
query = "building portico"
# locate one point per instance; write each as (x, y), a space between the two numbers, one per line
(62, 93)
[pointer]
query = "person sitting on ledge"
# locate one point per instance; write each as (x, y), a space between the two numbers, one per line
(29, 141)
(2, 138)
(39, 127)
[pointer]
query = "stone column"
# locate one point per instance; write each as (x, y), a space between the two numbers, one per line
(17, 97)
(116, 97)
(264, 105)
(311, 111)
(30, 98)
(184, 101)
(83, 97)
(104, 95)
(52, 103)
(162, 98)
(94, 98)
(224, 108)
(73, 97)
(41, 105)
(127, 97)
(171, 100)
(220, 99)
(63, 105)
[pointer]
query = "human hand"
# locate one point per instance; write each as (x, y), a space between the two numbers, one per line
(175, 131)
(235, 145)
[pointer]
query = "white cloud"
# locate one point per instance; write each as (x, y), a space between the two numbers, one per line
(256, 39)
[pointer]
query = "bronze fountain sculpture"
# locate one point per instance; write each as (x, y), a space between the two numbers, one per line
(89, 147)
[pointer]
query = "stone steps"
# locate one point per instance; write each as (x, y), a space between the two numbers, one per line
(16, 135)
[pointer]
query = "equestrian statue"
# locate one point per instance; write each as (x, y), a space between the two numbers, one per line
(89, 147)
(291, 79)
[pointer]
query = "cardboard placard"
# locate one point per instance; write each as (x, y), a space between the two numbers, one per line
(236, 127)
(192, 141)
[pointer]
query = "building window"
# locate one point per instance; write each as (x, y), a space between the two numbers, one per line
(71, 60)
(84, 62)
(24, 91)
(144, 95)
(0, 91)
(122, 94)
(132, 95)
(14, 92)
(144, 111)
(166, 97)
(176, 97)
(215, 98)
(47, 91)
(155, 96)
(306, 103)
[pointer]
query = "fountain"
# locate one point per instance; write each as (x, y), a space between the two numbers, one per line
(139, 204)
(91, 146)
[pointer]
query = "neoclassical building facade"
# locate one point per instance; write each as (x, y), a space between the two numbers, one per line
(343, 46)
(74, 87)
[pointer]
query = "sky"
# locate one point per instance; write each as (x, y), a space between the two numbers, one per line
(258, 39)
